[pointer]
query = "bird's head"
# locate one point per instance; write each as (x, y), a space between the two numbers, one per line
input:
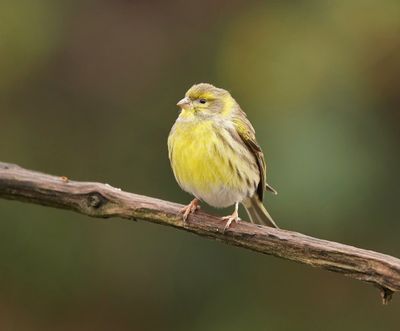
(205, 100)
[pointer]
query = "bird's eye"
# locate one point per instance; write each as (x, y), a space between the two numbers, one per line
(203, 101)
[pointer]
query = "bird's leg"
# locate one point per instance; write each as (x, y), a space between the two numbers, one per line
(232, 218)
(190, 208)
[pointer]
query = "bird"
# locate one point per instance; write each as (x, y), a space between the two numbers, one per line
(215, 156)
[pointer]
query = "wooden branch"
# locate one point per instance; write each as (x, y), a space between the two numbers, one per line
(102, 200)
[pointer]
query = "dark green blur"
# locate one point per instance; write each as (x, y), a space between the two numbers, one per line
(88, 90)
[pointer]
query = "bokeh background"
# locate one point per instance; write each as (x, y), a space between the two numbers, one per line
(88, 90)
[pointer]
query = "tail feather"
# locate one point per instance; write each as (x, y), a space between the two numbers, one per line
(257, 212)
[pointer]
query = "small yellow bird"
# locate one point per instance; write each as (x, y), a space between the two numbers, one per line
(215, 156)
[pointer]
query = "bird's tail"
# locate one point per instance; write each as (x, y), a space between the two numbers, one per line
(257, 212)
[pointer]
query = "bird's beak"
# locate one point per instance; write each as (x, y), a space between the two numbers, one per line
(184, 103)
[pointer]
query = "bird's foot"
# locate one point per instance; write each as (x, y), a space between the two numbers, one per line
(229, 219)
(190, 208)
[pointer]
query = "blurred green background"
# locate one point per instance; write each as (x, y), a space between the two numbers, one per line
(88, 90)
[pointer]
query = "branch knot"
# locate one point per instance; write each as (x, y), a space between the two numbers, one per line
(96, 200)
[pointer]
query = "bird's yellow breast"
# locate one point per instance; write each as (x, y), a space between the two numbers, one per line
(206, 166)
(195, 156)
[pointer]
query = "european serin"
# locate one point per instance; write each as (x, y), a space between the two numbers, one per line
(215, 156)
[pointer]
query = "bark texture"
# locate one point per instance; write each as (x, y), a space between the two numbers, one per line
(104, 201)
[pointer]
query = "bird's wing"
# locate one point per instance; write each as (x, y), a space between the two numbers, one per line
(247, 134)
(271, 189)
